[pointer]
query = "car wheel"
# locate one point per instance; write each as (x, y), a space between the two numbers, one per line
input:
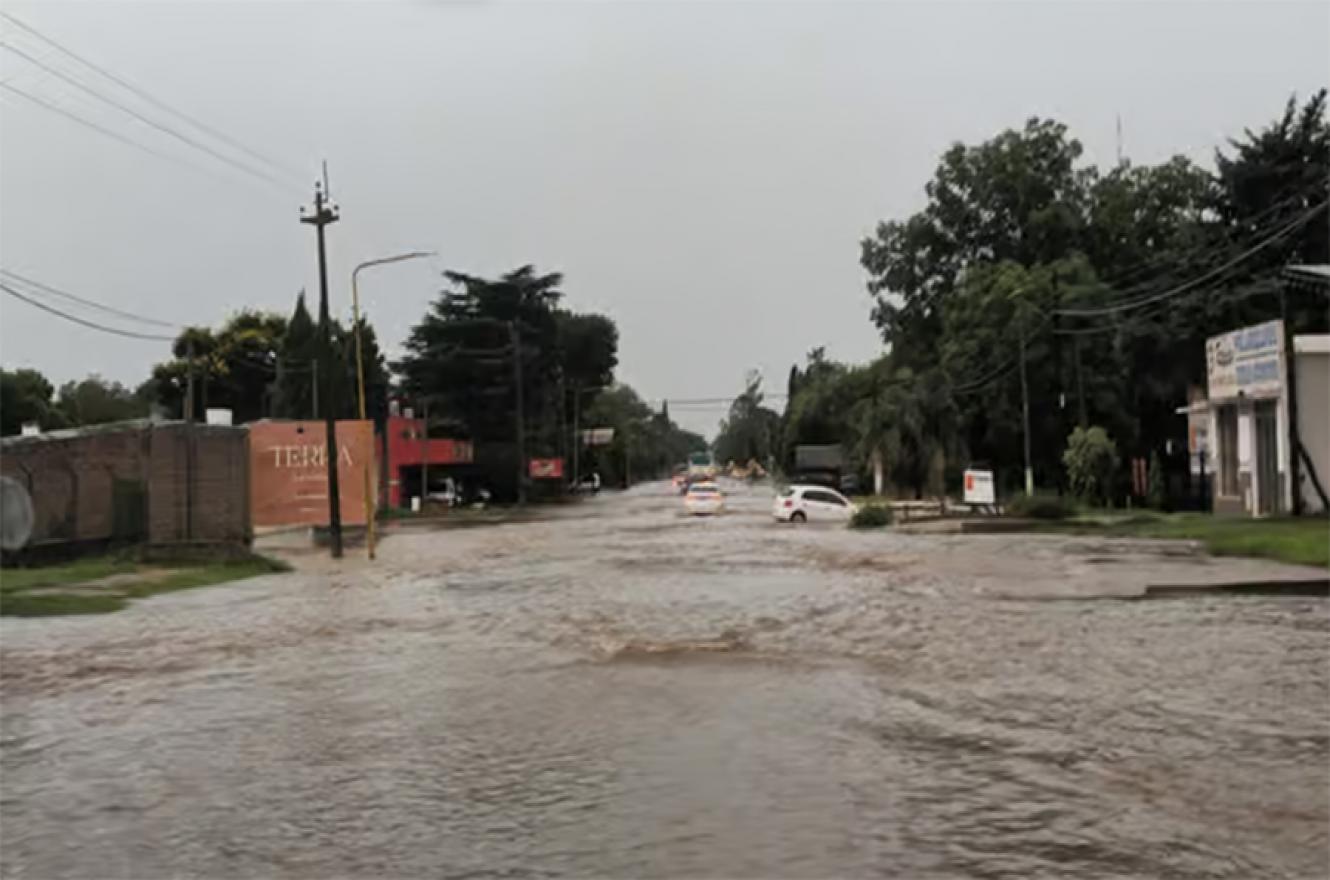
(798, 517)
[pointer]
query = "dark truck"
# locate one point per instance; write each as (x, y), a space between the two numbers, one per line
(824, 465)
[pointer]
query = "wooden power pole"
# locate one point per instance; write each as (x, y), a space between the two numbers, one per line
(322, 216)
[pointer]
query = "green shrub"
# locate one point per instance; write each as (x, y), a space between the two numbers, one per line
(1091, 458)
(1041, 507)
(1157, 490)
(871, 516)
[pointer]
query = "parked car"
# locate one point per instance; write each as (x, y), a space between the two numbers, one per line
(807, 503)
(590, 485)
(444, 493)
(704, 499)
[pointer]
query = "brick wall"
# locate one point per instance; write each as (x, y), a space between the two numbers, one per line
(128, 482)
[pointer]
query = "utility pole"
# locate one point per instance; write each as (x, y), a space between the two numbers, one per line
(577, 437)
(189, 443)
(1025, 409)
(515, 340)
(1080, 382)
(1291, 389)
(424, 453)
(188, 413)
(323, 215)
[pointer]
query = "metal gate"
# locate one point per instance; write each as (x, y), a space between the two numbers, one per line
(1268, 494)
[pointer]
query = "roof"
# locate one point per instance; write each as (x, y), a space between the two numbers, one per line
(1309, 272)
(64, 434)
(1312, 344)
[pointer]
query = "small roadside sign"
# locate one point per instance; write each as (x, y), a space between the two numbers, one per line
(979, 487)
(545, 468)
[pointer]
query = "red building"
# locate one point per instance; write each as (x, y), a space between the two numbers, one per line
(411, 455)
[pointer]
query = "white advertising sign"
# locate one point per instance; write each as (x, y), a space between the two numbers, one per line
(979, 487)
(597, 436)
(1249, 362)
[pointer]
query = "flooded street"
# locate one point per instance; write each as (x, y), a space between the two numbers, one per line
(617, 690)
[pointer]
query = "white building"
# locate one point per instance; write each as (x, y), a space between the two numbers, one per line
(1245, 421)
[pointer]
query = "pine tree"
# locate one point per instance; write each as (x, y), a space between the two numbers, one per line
(295, 388)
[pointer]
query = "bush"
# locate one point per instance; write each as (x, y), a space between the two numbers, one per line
(871, 516)
(1091, 459)
(1157, 489)
(1041, 507)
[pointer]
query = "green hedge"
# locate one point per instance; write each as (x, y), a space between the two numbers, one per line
(871, 516)
(1042, 507)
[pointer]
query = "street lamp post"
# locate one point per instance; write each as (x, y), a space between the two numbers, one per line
(360, 378)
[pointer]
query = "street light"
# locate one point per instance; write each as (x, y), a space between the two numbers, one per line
(360, 376)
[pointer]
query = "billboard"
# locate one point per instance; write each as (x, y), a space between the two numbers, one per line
(288, 472)
(597, 436)
(545, 468)
(1247, 362)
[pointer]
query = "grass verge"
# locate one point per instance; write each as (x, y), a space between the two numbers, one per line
(71, 588)
(1304, 541)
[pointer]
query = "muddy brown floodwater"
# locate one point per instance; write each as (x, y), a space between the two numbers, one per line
(616, 690)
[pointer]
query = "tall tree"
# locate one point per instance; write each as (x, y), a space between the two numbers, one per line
(750, 430)
(1270, 180)
(233, 367)
(1018, 197)
(294, 390)
(25, 396)
(460, 355)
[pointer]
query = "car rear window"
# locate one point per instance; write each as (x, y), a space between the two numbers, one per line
(703, 490)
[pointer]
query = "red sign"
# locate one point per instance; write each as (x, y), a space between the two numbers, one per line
(545, 468)
(288, 472)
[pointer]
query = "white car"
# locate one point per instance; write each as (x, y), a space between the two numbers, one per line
(703, 499)
(799, 503)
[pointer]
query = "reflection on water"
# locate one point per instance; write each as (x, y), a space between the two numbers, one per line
(634, 693)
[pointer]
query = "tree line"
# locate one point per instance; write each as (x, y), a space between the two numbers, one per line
(1105, 283)
(487, 349)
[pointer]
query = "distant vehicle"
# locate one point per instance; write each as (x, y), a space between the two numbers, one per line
(704, 499)
(701, 466)
(444, 493)
(590, 485)
(805, 503)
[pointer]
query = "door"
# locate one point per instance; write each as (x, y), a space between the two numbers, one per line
(1268, 494)
(839, 507)
(826, 505)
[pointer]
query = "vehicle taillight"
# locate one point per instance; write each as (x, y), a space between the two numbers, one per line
(789, 502)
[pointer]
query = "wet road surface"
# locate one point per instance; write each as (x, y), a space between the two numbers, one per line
(617, 690)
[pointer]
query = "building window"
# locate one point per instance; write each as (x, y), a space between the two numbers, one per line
(1228, 450)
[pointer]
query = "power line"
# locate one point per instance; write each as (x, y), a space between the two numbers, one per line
(1255, 220)
(77, 320)
(54, 108)
(1212, 274)
(261, 175)
(157, 102)
(93, 304)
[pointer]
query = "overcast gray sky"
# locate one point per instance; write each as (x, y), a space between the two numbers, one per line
(701, 173)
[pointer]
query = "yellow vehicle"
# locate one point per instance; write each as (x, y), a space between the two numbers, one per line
(701, 466)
